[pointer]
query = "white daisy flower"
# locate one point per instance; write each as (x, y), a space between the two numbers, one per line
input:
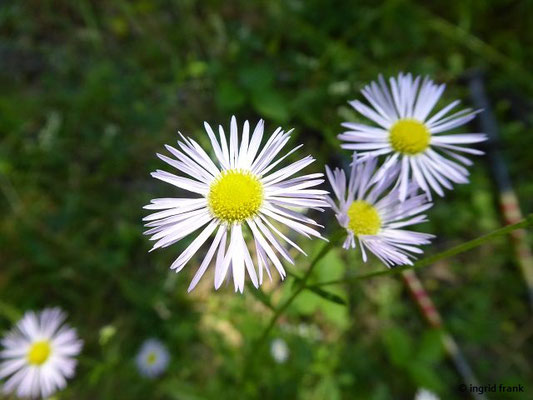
(152, 359)
(37, 354)
(374, 217)
(424, 394)
(279, 350)
(240, 190)
(412, 137)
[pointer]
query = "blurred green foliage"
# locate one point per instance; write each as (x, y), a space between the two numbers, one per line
(90, 90)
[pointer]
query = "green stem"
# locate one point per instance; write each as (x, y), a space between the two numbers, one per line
(526, 222)
(301, 285)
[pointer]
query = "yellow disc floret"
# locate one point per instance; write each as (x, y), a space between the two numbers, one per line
(363, 218)
(152, 358)
(409, 136)
(39, 352)
(235, 196)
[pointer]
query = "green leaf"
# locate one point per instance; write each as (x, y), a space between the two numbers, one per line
(431, 350)
(332, 297)
(424, 376)
(256, 78)
(229, 96)
(270, 104)
(326, 295)
(399, 346)
(306, 303)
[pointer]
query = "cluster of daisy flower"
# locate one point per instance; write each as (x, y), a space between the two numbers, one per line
(241, 194)
(38, 355)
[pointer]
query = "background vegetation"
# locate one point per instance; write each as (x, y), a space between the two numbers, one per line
(91, 90)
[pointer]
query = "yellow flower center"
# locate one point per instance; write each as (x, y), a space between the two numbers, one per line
(39, 352)
(363, 218)
(235, 196)
(151, 359)
(409, 136)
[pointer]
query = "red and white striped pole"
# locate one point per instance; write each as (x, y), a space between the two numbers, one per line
(433, 318)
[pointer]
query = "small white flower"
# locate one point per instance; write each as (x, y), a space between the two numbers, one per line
(37, 354)
(241, 190)
(279, 350)
(413, 139)
(152, 359)
(375, 217)
(424, 394)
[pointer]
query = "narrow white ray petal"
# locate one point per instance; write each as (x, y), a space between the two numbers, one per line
(456, 115)
(263, 262)
(250, 268)
(262, 162)
(459, 138)
(287, 171)
(174, 224)
(182, 231)
(438, 128)
(376, 104)
(242, 160)
(272, 140)
(188, 164)
(266, 232)
(233, 143)
(222, 159)
(432, 97)
(352, 136)
(404, 178)
(221, 267)
(192, 205)
(443, 112)
(187, 254)
(338, 189)
(237, 256)
(11, 366)
(297, 226)
(274, 164)
(196, 152)
(182, 183)
(280, 234)
(290, 213)
(297, 183)
(208, 257)
(419, 177)
(458, 157)
(268, 250)
(460, 148)
(370, 114)
(369, 132)
(433, 176)
(255, 142)
(224, 144)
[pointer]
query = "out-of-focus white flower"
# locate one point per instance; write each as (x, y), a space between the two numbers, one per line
(373, 215)
(410, 136)
(152, 359)
(242, 189)
(38, 354)
(279, 350)
(424, 394)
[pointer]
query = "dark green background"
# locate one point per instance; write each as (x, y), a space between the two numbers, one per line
(91, 90)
